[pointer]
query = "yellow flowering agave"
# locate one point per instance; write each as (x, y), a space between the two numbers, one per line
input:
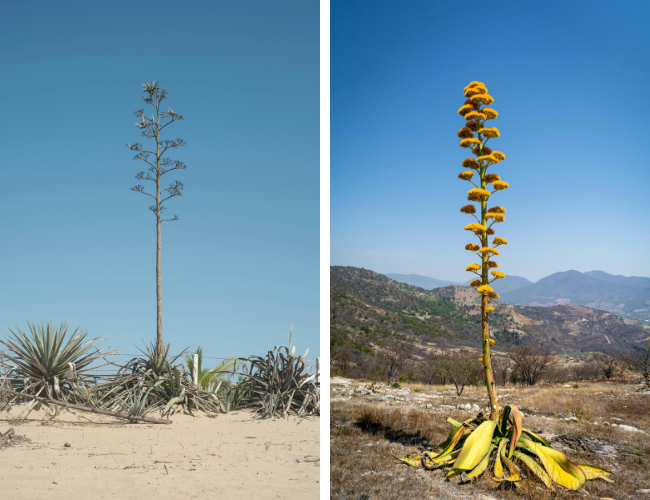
(497, 442)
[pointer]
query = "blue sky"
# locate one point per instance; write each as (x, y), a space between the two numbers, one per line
(569, 81)
(242, 264)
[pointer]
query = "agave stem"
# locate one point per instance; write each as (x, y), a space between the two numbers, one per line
(487, 363)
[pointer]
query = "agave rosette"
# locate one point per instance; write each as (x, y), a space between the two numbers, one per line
(476, 443)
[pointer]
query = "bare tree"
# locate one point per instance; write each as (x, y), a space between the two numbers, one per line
(395, 355)
(158, 166)
(501, 367)
(530, 363)
(608, 365)
(462, 368)
(638, 361)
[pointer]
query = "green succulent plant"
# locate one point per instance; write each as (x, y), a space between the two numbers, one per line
(46, 360)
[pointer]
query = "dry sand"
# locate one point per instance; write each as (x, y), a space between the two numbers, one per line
(199, 457)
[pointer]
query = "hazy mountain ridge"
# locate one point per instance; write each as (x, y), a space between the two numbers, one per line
(628, 296)
(369, 307)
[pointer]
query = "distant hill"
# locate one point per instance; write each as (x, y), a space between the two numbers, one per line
(425, 282)
(633, 281)
(428, 283)
(367, 308)
(507, 284)
(596, 289)
(628, 296)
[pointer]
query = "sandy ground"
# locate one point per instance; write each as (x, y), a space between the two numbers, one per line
(195, 457)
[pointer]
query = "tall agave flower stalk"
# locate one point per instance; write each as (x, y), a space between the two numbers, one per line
(475, 136)
(499, 442)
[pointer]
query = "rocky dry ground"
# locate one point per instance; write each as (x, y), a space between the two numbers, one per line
(602, 423)
(82, 455)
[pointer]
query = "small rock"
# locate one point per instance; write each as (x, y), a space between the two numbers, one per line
(407, 390)
(619, 419)
(643, 491)
(605, 423)
(575, 419)
(629, 428)
(566, 385)
(614, 425)
(476, 407)
(67, 445)
(429, 406)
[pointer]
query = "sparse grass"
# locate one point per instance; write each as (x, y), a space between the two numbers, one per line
(368, 430)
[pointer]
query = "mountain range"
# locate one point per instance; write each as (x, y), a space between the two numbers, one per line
(368, 308)
(627, 296)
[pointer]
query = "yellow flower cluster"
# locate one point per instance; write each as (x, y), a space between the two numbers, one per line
(472, 247)
(483, 99)
(471, 163)
(497, 274)
(496, 217)
(491, 178)
(475, 227)
(490, 113)
(492, 342)
(499, 185)
(489, 251)
(473, 84)
(474, 115)
(473, 267)
(478, 192)
(497, 210)
(478, 89)
(491, 264)
(465, 133)
(490, 132)
(499, 241)
(468, 143)
(468, 209)
(499, 155)
(488, 310)
(473, 126)
(489, 231)
(484, 289)
(475, 283)
(466, 176)
(465, 108)
(493, 295)
(488, 158)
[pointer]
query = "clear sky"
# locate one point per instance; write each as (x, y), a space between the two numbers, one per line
(569, 80)
(242, 263)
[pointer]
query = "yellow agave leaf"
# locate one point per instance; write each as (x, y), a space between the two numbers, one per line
(476, 446)
(516, 429)
(537, 438)
(452, 441)
(431, 464)
(592, 472)
(482, 465)
(415, 460)
(535, 468)
(557, 465)
(498, 465)
(515, 473)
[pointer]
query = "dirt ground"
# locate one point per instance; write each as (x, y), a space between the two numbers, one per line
(233, 455)
(371, 422)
